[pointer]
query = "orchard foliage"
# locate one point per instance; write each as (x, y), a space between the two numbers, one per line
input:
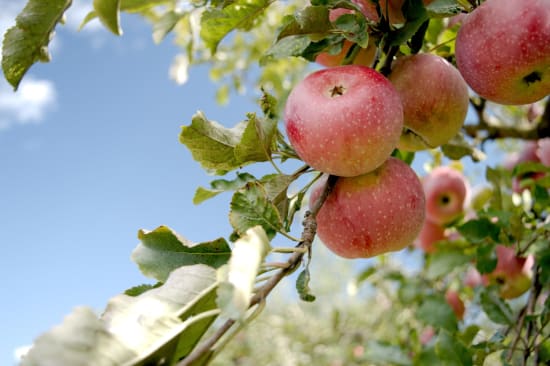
(480, 293)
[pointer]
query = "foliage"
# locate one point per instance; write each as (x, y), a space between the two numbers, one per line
(391, 316)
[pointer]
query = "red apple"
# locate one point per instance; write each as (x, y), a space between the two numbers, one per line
(445, 190)
(543, 150)
(456, 303)
(474, 279)
(435, 100)
(344, 120)
(512, 273)
(371, 214)
(430, 234)
(503, 50)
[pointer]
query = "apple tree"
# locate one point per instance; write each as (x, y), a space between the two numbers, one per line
(369, 113)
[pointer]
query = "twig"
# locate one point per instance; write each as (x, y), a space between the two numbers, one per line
(308, 234)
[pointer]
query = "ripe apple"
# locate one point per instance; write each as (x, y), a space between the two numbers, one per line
(344, 120)
(512, 273)
(373, 213)
(445, 190)
(429, 235)
(456, 303)
(543, 150)
(435, 100)
(474, 279)
(503, 50)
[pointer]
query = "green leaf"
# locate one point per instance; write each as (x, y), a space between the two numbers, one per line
(457, 148)
(238, 277)
(140, 289)
(256, 141)
(108, 12)
(386, 354)
(276, 188)
(166, 24)
(302, 286)
(442, 262)
(496, 308)
(221, 185)
(444, 8)
(27, 41)
(211, 144)
(251, 207)
(312, 20)
(478, 230)
(216, 23)
(288, 46)
(162, 250)
(451, 351)
(435, 311)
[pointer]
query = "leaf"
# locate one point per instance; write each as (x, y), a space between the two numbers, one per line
(386, 354)
(276, 188)
(312, 21)
(457, 148)
(165, 25)
(256, 141)
(162, 250)
(108, 12)
(211, 144)
(164, 323)
(288, 46)
(442, 262)
(435, 311)
(302, 286)
(140, 289)
(221, 185)
(444, 8)
(250, 207)
(27, 41)
(451, 351)
(216, 23)
(496, 308)
(238, 277)
(478, 230)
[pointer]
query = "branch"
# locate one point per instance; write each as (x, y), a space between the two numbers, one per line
(492, 132)
(308, 234)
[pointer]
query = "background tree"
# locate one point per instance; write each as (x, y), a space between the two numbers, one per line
(480, 293)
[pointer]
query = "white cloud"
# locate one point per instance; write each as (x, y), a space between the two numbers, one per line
(29, 104)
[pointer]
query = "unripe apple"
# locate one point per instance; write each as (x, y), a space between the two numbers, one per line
(429, 235)
(543, 150)
(503, 50)
(371, 214)
(344, 120)
(445, 190)
(435, 100)
(512, 273)
(456, 303)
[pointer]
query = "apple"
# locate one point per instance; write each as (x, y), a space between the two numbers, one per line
(529, 152)
(344, 120)
(456, 303)
(543, 150)
(429, 235)
(474, 279)
(435, 100)
(373, 213)
(503, 50)
(445, 190)
(427, 335)
(512, 274)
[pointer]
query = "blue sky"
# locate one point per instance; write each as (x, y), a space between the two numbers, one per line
(89, 154)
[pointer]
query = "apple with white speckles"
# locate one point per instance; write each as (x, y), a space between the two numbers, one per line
(503, 50)
(445, 190)
(371, 214)
(435, 100)
(344, 120)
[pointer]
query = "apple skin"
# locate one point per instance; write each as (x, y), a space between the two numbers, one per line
(503, 50)
(371, 214)
(344, 120)
(456, 303)
(429, 235)
(543, 150)
(435, 100)
(474, 279)
(512, 273)
(446, 190)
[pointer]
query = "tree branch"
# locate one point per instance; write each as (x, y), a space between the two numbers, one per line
(308, 234)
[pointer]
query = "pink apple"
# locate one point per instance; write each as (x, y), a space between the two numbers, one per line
(543, 150)
(371, 214)
(435, 100)
(474, 279)
(427, 335)
(456, 303)
(503, 50)
(512, 273)
(430, 234)
(344, 120)
(445, 190)
(528, 153)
